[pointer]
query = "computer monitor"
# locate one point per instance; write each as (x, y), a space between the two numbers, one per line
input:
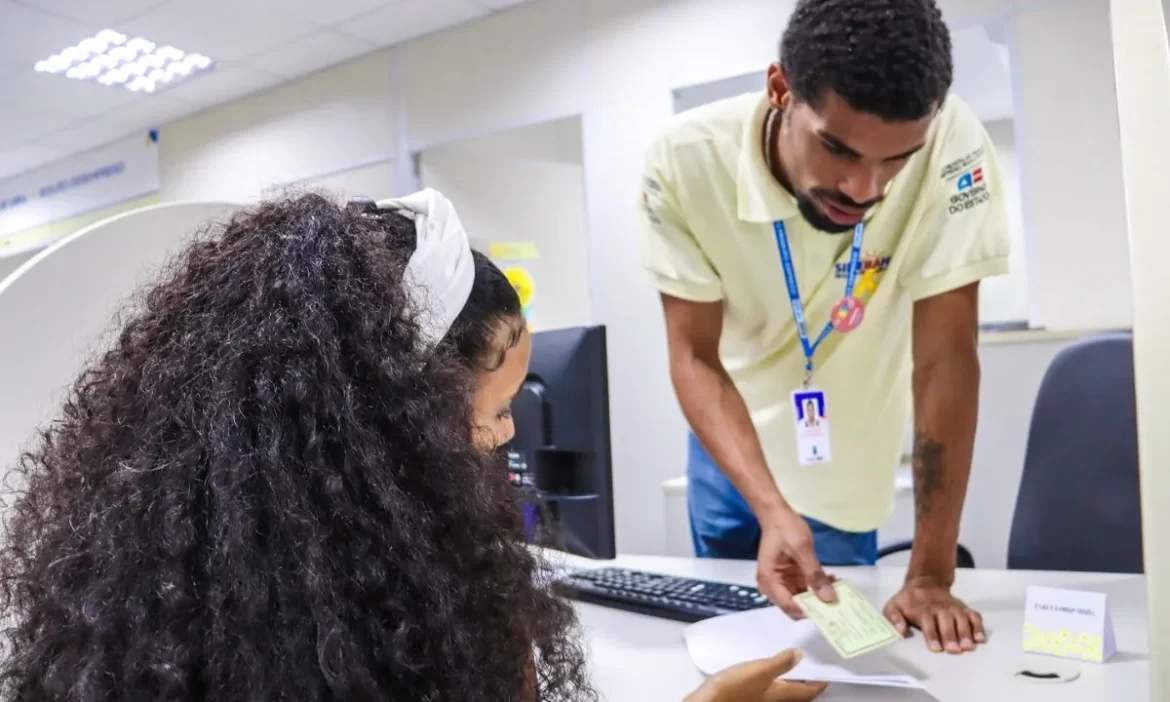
(560, 455)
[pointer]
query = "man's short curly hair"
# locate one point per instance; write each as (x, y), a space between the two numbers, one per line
(266, 489)
(890, 58)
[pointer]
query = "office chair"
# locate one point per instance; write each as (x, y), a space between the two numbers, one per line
(1079, 507)
(963, 557)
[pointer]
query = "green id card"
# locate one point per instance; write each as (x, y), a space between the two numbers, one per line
(851, 624)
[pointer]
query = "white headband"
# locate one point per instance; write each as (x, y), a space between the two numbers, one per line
(441, 270)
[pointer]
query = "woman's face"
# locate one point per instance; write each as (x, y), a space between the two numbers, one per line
(496, 388)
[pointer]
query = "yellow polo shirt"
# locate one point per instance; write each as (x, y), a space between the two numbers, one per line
(705, 234)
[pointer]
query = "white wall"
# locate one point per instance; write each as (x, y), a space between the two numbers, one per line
(614, 63)
(334, 128)
(1005, 298)
(525, 185)
(557, 141)
(1070, 160)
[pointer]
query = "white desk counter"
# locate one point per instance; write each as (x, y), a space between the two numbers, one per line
(637, 658)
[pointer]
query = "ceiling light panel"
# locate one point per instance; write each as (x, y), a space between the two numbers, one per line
(133, 63)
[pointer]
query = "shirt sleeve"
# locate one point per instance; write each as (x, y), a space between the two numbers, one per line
(963, 236)
(671, 255)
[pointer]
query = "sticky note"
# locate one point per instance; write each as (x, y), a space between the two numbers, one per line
(1068, 624)
(852, 624)
(513, 251)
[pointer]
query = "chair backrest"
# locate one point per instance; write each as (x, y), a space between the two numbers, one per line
(1079, 507)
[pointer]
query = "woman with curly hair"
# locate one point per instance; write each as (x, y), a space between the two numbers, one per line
(278, 483)
(281, 482)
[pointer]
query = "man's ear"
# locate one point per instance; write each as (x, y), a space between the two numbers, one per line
(779, 96)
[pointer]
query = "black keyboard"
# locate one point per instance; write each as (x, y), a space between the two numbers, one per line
(681, 599)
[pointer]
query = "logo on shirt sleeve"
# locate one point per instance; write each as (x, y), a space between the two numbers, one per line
(959, 165)
(970, 191)
(969, 179)
(651, 196)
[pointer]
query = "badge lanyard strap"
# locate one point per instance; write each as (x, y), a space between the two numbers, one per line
(794, 290)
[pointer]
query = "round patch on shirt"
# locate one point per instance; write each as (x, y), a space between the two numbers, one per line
(847, 314)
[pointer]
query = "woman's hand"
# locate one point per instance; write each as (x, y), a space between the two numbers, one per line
(756, 681)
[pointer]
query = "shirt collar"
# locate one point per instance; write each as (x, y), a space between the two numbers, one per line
(759, 197)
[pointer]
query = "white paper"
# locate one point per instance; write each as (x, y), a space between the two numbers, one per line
(721, 642)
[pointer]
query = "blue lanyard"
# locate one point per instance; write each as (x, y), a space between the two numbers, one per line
(794, 290)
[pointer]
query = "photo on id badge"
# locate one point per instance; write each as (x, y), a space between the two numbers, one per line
(811, 416)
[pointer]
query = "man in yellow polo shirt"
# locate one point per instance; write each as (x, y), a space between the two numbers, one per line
(857, 196)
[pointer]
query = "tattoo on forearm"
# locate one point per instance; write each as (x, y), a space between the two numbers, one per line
(927, 464)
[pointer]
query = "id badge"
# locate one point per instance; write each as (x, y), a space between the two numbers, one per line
(811, 415)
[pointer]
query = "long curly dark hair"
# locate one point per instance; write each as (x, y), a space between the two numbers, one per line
(267, 490)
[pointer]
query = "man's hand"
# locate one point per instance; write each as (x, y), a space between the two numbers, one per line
(944, 620)
(787, 565)
(755, 681)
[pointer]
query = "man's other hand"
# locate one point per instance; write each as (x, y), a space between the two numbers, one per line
(944, 620)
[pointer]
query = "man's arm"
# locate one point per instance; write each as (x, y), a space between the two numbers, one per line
(692, 300)
(946, 404)
(786, 563)
(692, 294)
(713, 406)
(957, 243)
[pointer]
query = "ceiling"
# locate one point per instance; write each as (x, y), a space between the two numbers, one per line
(256, 44)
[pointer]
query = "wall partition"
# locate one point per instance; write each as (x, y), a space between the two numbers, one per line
(59, 307)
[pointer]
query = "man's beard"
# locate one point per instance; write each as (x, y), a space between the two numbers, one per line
(813, 215)
(804, 201)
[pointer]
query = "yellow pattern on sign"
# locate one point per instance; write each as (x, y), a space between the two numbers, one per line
(1064, 643)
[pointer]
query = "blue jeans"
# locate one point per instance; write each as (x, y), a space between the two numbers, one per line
(723, 526)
